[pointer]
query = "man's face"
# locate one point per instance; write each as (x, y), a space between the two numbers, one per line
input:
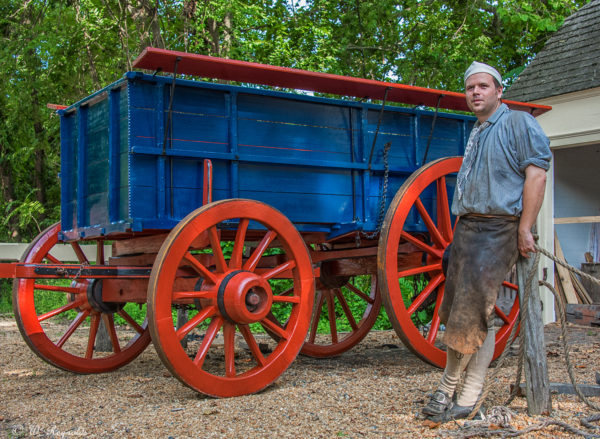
(483, 98)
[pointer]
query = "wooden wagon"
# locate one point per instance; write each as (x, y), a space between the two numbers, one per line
(267, 217)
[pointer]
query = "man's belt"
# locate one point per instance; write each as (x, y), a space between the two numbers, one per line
(481, 215)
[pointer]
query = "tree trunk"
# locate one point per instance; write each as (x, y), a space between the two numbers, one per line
(39, 164)
(88, 49)
(147, 21)
(189, 12)
(7, 190)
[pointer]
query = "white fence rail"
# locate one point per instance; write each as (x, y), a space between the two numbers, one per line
(63, 252)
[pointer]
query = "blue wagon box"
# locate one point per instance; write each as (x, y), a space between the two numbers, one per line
(132, 155)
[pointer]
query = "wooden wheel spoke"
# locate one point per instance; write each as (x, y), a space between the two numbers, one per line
(510, 285)
(286, 299)
(209, 337)
(109, 322)
(276, 328)
(431, 286)
(238, 247)
(316, 316)
(52, 259)
(253, 345)
(68, 290)
(81, 257)
(331, 315)
(288, 265)
(200, 268)
(252, 261)
(431, 227)
(72, 327)
(502, 316)
(229, 346)
(346, 308)
(433, 329)
(443, 209)
(60, 310)
(215, 244)
(359, 293)
(435, 322)
(419, 270)
(287, 292)
(420, 244)
(95, 323)
(130, 321)
(204, 314)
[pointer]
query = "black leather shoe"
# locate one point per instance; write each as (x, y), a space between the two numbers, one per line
(438, 404)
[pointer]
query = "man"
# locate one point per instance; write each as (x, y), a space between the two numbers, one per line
(499, 192)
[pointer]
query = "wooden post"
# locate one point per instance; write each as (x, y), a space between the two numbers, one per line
(182, 318)
(537, 384)
(103, 343)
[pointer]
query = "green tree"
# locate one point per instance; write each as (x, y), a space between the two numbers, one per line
(59, 51)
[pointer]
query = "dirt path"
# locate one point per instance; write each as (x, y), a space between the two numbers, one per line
(374, 390)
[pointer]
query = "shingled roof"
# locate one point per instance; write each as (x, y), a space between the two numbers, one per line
(569, 62)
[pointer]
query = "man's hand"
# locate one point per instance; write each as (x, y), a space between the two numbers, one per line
(526, 243)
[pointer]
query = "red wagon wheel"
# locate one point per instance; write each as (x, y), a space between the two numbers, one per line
(242, 268)
(345, 326)
(42, 306)
(409, 292)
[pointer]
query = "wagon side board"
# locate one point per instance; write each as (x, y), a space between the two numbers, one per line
(132, 155)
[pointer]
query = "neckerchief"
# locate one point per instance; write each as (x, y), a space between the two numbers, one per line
(470, 155)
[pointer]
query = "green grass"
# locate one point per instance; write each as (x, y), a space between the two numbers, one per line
(6, 296)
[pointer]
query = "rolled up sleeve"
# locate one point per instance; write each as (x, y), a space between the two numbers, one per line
(533, 146)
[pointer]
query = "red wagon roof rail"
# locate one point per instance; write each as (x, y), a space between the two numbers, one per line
(242, 71)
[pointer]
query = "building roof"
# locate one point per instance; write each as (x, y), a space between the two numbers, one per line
(569, 61)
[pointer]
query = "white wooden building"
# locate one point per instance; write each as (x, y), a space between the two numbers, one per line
(566, 76)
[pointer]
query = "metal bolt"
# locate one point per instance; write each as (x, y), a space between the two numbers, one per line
(252, 299)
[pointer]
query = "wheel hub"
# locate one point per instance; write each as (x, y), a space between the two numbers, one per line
(244, 297)
(94, 297)
(328, 278)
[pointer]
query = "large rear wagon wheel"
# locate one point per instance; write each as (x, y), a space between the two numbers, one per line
(242, 269)
(412, 294)
(43, 307)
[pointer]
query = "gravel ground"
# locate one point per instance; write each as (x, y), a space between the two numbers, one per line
(375, 390)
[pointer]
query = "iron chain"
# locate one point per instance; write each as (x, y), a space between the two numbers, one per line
(384, 190)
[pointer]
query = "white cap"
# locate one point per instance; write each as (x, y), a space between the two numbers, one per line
(479, 67)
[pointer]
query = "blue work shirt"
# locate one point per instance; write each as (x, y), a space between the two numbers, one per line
(494, 185)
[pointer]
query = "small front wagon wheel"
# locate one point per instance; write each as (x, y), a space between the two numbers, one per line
(412, 293)
(241, 269)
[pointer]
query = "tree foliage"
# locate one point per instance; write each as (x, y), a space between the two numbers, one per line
(59, 51)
